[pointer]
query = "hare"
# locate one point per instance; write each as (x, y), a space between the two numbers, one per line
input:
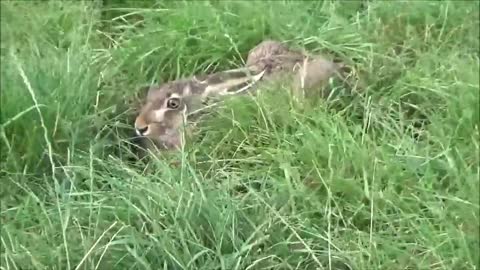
(170, 105)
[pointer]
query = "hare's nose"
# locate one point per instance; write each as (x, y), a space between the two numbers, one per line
(142, 130)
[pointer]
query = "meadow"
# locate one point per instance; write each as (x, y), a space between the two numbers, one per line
(386, 179)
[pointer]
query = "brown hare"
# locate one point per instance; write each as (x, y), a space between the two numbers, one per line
(168, 106)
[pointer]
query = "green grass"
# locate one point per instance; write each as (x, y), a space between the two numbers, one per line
(355, 183)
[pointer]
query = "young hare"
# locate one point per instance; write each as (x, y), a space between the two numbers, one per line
(168, 106)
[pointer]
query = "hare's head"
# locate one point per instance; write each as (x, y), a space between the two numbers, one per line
(166, 108)
(163, 112)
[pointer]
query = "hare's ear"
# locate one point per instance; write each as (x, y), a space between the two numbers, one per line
(232, 82)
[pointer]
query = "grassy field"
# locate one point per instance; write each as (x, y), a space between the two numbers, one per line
(385, 180)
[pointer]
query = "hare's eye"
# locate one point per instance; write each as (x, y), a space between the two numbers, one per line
(173, 103)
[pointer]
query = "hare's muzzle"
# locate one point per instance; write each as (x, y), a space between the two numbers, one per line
(141, 128)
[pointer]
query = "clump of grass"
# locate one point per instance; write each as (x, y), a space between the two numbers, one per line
(387, 179)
